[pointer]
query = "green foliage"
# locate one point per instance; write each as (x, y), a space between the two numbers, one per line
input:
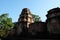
(36, 18)
(5, 24)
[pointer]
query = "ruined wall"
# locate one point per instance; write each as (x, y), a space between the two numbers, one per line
(37, 27)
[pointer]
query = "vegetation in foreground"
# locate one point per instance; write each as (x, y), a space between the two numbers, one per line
(5, 24)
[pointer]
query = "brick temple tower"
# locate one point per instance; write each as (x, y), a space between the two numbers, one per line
(53, 20)
(24, 20)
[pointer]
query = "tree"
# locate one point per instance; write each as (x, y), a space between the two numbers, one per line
(36, 18)
(5, 24)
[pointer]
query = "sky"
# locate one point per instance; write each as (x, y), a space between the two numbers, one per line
(38, 7)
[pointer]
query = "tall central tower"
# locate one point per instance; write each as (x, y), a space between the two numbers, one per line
(25, 19)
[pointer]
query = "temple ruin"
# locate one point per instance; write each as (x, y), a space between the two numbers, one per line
(27, 27)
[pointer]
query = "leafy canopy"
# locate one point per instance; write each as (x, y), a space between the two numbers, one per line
(5, 24)
(36, 17)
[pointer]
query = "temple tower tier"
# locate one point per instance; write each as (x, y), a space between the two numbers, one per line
(53, 20)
